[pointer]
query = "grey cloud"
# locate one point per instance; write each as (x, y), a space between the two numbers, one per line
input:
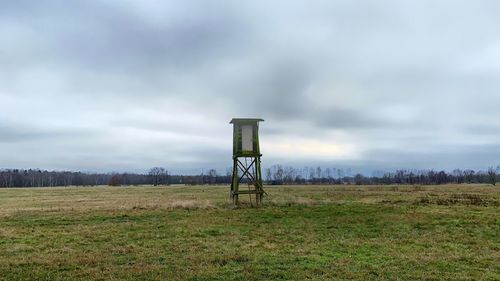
(420, 76)
(278, 91)
(36, 134)
(442, 157)
(99, 35)
(342, 118)
(15, 134)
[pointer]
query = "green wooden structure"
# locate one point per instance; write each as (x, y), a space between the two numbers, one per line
(246, 159)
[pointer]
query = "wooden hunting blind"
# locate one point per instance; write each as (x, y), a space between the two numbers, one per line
(246, 159)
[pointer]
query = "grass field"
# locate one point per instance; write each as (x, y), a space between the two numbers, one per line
(301, 233)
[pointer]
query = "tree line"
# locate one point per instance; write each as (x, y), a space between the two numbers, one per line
(155, 176)
(279, 174)
(274, 175)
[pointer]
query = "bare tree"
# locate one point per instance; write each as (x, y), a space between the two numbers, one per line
(492, 176)
(319, 172)
(328, 174)
(157, 174)
(312, 174)
(289, 174)
(268, 175)
(458, 175)
(340, 173)
(278, 173)
(115, 180)
(469, 175)
(212, 175)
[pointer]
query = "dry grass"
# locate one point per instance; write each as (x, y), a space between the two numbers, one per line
(301, 233)
(18, 200)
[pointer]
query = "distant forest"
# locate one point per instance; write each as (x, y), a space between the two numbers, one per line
(275, 175)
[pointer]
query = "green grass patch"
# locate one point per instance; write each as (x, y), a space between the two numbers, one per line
(320, 233)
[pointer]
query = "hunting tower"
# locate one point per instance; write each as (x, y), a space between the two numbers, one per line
(246, 159)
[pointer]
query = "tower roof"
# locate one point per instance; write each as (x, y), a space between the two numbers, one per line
(245, 120)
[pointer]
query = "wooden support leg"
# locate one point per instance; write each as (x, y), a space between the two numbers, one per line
(235, 184)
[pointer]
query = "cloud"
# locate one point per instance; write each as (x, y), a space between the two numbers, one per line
(13, 134)
(124, 85)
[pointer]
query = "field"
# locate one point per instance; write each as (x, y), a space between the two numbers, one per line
(342, 232)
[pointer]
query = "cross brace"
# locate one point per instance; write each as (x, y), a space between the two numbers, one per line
(253, 176)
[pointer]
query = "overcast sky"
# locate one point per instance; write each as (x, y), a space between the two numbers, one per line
(127, 85)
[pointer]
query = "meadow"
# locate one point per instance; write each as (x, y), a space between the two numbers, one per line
(339, 232)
